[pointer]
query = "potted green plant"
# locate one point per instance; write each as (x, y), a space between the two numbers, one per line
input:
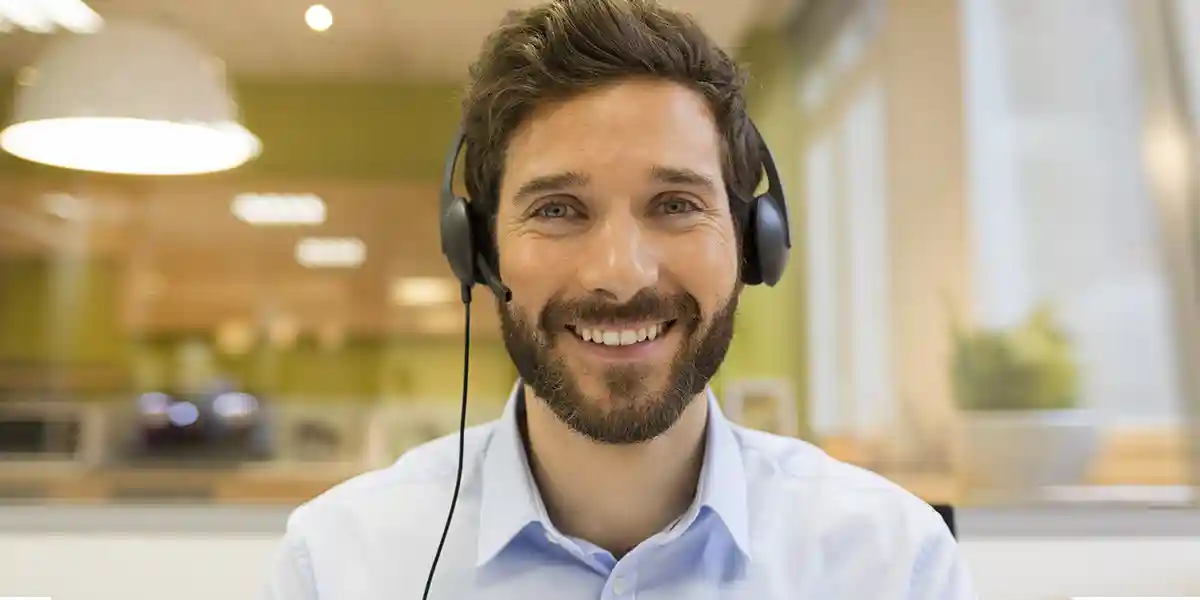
(1018, 390)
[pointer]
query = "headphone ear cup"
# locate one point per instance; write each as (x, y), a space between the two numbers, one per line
(483, 245)
(751, 268)
(458, 242)
(770, 240)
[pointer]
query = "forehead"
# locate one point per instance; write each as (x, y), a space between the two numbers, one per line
(622, 129)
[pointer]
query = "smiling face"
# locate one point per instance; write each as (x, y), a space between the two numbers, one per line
(614, 232)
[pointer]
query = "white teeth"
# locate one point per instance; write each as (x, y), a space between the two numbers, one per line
(619, 337)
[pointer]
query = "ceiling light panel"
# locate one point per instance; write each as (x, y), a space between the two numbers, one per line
(424, 291)
(279, 209)
(331, 253)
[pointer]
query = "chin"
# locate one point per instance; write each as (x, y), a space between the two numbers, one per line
(622, 383)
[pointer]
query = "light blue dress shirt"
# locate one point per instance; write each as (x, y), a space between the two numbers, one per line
(774, 519)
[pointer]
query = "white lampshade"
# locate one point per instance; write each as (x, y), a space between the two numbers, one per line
(134, 99)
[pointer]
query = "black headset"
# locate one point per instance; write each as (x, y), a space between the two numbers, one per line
(766, 241)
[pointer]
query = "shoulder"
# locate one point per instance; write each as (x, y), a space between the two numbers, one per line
(850, 521)
(843, 503)
(373, 529)
(411, 493)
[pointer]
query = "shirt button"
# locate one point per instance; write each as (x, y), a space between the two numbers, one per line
(619, 586)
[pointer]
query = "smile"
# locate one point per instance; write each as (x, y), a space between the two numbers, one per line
(617, 336)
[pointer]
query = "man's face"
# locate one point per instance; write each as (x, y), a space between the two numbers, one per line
(615, 235)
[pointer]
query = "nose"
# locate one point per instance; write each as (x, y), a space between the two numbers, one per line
(618, 260)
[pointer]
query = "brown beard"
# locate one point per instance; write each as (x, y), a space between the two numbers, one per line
(634, 413)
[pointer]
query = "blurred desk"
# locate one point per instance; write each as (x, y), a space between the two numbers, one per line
(264, 484)
(241, 486)
(289, 485)
(934, 488)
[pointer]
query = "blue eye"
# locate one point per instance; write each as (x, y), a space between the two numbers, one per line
(554, 210)
(676, 206)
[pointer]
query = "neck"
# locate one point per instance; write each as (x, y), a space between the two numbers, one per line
(615, 496)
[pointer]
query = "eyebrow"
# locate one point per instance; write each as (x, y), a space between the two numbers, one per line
(681, 176)
(573, 179)
(550, 183)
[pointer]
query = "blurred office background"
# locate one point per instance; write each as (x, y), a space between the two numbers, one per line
(993, 298)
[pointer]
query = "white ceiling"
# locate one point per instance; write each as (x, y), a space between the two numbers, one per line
(369, 38)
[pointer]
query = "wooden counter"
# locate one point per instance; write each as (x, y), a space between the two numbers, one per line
(219, 486)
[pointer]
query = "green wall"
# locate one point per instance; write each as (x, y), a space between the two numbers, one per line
(394, 131)
(60, 310)
(771, 339)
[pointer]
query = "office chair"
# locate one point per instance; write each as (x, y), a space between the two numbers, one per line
(947, 513)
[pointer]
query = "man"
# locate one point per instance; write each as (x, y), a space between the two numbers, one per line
(609, 154)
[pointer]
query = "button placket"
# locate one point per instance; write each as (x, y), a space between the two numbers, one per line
(623, 583)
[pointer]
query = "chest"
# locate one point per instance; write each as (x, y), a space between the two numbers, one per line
(695, 573)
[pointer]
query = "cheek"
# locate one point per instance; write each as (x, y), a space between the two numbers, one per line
(527, 272)
(709, 270)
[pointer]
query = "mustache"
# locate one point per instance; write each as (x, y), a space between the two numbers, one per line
(647, 304)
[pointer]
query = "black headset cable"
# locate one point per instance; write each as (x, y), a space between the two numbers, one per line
(462, 435)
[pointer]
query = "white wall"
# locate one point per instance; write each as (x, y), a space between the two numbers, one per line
(1044, 569)
(883, 159)
(1060, 209)
(846, 234)
(115, 566)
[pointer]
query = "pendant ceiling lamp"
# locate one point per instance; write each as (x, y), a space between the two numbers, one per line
(134, 99)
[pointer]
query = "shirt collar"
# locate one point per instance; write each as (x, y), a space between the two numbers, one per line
(510, 500)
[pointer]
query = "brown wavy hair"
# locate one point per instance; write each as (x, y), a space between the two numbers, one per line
(566, 47)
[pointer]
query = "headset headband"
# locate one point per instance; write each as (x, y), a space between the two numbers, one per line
(774, 184)
(448, 169)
